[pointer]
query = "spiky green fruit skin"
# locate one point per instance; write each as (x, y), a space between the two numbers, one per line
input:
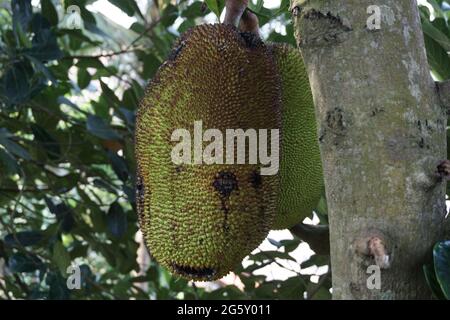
(200, 221)
(301, 178)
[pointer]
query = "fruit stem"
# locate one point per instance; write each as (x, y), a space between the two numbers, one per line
(249, 23)
(234, 11)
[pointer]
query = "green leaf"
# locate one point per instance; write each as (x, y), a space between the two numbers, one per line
(430, 277)
(61, 257)
(437, 8)
(98, 127)
(169, 15)
(315, 260)
(127, 6)
(109, 95)
(12, 146)
(290, 245)
(215, 6)
(84, 78)
(45, 46)
(67, 102)
(441, 254)
(129, 99)
(193, 11)
(138, 27)
(270, 256)
(58, 287)
(292, 288)
(178, 284)
(116, 220)
(437, 35)
(15, 149)
(437, 58)
(39, 66)
(21, 12)
(119, 166)
(86, 62)
(99, 183)
(20, 262)
(274, 242)
(151, 65)
(49, 12)
(284, 7)
(65, 217)
(256, 8)
(46, 141)
(253, 267)
(264, 15)
(8, 163)
(322, 209)
(17, 83)
(267, 290)
(65, 183)
(24, 238)
(323, 293)
(186, 25)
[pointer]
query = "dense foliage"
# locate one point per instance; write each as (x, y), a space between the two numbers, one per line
(67, 105)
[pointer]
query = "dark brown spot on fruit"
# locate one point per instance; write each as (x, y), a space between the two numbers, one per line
(198, 273)
(178, 169)
(255, 180)
(140, 194)
(225, 183)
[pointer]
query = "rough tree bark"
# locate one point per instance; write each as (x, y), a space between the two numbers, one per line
(382, 130)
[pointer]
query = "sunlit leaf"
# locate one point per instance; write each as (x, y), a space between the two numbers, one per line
(98, 127)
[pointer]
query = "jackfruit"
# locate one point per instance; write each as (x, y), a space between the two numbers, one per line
(301, 179)
(200, 221)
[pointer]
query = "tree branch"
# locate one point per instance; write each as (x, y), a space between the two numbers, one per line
(234, 11)
(128, 49)
(150, 27)
(15, 190)
(249, 22)
(103, 55)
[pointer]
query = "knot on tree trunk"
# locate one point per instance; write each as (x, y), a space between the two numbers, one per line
(318, 28)
(378, 251)
(374, 246)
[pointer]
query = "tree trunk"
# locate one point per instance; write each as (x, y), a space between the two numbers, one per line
(382, 132)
